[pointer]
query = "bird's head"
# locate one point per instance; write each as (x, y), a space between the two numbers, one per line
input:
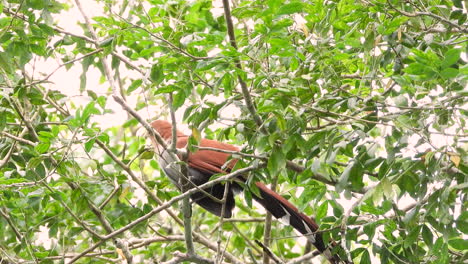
(164, 129)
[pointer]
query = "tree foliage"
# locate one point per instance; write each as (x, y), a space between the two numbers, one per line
(356, 109)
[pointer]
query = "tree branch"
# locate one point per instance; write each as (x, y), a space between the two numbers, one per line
(219, 254)
(166, 205)
(437, 17)
(267, 231)
(269, 252)
(245, 90)
(289, 164)
(181, 257)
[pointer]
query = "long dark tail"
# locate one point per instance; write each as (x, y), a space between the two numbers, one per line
(278, 206)
(287, 213)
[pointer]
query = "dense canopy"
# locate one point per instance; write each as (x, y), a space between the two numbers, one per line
(355, 111)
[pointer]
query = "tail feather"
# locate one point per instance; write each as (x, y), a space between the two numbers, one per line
(287, 213)
(274, 203)
(204, 163)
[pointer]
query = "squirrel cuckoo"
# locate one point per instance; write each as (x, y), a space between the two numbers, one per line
(204, 163)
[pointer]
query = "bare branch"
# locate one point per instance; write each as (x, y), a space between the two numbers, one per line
(18, 185)
(245, 90)
(304, 258)
(64, 64)
(181, 257)
(267, 230)
(164, 206)
(289, 164)
(269, 252)
(19, 139)
(429, 14)
(7, 217)
(7, 157)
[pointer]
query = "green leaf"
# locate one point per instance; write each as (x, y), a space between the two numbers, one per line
(401, 101)
(41, 254)
(135, 84)
(88, 111)
(35, 98)
(45, 136)
(42, 147)
(291, 8)
(147, 155)
(280, 121)
(369, 230)
(88, 61)
(462, 222)
(451, 57)
(449, 73)
(92, 94)
(107, 42)
(196, 134)
(156, 74)
(343, 181)
(322, 210)
(427, 236)
(89, 144)
(443, 254)
(459, 243)
(102, 101)
(104, 138)
(56, 196)
(227, 85)
(248, 196)
(277, 161)
(4, 62)
(40, 170)
(412, 237)
(178, 99)
(166, 89)
(457, 3)
(365, 258)
(387, 188)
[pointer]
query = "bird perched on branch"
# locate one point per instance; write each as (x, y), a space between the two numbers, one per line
(203, 164)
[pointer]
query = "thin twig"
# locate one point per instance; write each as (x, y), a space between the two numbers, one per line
(7, 157)
(152, 196)
(70, 211)
(289, 164)
(109, 197)
(11, 224)
(268, 219)
(181, 257)
(166, 205)
(304, 258)
(18, 185)
(64, 64)
(184, 184)
(219, 255)
(269, 252)
(107, 226)
(248, 240)
(130, 64)
(245, 90)
(442, 19)
(26, 121)
(183, 52)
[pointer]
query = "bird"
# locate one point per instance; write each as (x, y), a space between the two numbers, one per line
(203, 164)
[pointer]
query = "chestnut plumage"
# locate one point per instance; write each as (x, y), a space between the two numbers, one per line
(203, 164)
